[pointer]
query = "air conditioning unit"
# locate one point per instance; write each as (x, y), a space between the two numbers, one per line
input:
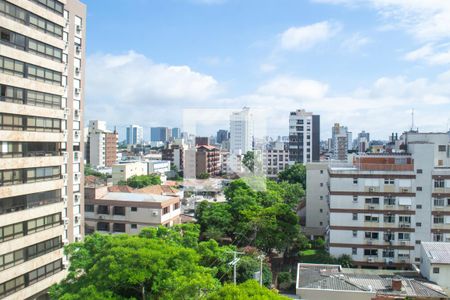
(77, 91)
(78, 27)
(77, 198)
(77, 70)
(404, 190)
(67, 111)
(404, 225)
(76, 133)
(369, 242)
(64, 177)
(76, 113)
(408, 207)
(371, 259)
(64, 199)
(66, 221)
(388, 260)
(155, 213)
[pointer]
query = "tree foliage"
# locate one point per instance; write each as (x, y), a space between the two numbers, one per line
(140, 181)
(203, 175)
(294, 174)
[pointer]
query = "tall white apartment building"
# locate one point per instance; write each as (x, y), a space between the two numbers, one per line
(383, 206)
(42, 47)
(135, 135)
(275, 158)
(340, 141)
(304, 137)
(241, 131)
(101, 146)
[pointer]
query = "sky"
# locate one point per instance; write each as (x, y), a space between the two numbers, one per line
(365, 64)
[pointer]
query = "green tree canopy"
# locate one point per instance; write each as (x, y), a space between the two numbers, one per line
(247, 290)
(141, 181)
(294, 174)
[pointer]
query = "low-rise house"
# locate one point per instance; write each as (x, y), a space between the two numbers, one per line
(319, 281)
(435, 262)
(124, 212)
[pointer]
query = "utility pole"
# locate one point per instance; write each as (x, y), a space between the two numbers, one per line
(234, 263)
(261, 258)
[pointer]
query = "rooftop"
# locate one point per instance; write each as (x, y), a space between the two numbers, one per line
(135, 197)
(437, 252)
(333, 277)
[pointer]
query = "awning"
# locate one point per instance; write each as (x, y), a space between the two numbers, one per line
(404, 201)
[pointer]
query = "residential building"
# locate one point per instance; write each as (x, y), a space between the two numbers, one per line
(176, 133)
(304, 137)
(435, 262)
(42, 83)
(175, 154)
(135, 135)
(275, 158)
(380, 205)
(122, 212)
(241, 131)
(189, 163)
(201, 141)
(222, 135)
(340, 142)
(158, 167)
(317, 210)
(319, 281)
(124, 170)
(207, 160)
(159, 134)
(101, 146)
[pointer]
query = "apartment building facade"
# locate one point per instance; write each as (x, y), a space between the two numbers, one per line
(41, 128)
(241, 132)
(317, 196)
(116, 212)
(101, 146)
(304, 137)
(135, 135)
(275, 158)
(382, 207)
(207, 160)
(340, 140)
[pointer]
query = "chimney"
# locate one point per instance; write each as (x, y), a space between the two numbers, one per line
(396, 284)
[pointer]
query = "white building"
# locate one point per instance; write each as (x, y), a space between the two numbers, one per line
(190, 164)
(317, 197)
(101, 145)
(135, 135)
(241, 131)
(304, 137)
(383, 206)
(275, 158)
(158, 166)
(435, 262)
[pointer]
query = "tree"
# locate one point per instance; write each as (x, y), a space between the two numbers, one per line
(89, 171)
(140, 181)
(214, 219)
(203, 175)
(247, 290)
(294, 174)
(129, 267)
(249, 160)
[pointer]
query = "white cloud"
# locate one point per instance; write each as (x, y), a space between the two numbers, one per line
(267, 67)
(355, 42)
(285, 86)
(306, 37)
(431, 54)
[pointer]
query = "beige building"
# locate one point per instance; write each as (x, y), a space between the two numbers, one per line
(123, 171)
(317, 210)
(117, 212)
(41, 161)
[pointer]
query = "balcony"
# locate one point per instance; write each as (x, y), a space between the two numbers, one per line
(31, 162)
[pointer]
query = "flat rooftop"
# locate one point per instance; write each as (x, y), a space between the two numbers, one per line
(135, 197)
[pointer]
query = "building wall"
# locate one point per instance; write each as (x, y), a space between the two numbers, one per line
(121, 172)
(304, 137)
(68, 209)
(317, 195)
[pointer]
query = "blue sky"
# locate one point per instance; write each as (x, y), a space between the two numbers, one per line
(363, 63)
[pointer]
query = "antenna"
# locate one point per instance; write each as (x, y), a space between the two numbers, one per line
(412, 119)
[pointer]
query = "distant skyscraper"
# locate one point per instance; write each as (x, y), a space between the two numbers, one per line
(159, 134)
(241, 131)
(222, 135)
(304, 137)
(176, 133)
(135, 135)
(339, 141)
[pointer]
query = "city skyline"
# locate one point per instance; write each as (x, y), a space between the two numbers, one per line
(362, 64)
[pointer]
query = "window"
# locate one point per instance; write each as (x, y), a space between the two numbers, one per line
(404, 219)
(133, 226)
(442, 148)
(389, 200)
(418, 224)
(439, 183)
(321, 171)
(53, 5)
(20, 229)
(89, 208)
(29, 123)
(388, 253)
(371, 218)
(355, 233)
(389, 181)
(118, 227)
(134, 209)
(166, 210)
(44, 271)
(11, 67)
(419, 188)
(176, 206)
(438, 220)
(419, 171)
(389, 236)
(419, 206)
(103, 209)
(355, 217)
(354, 251)
(435, 270)
(417, 242)
(372, 200)
(119, 210)
(102, 226)
(355, 180)
(370, 252)
(355, 198)
(403, 236)
(43, 223)
(13, 204)
(371, 235)
(439, 202)
(321, 210)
